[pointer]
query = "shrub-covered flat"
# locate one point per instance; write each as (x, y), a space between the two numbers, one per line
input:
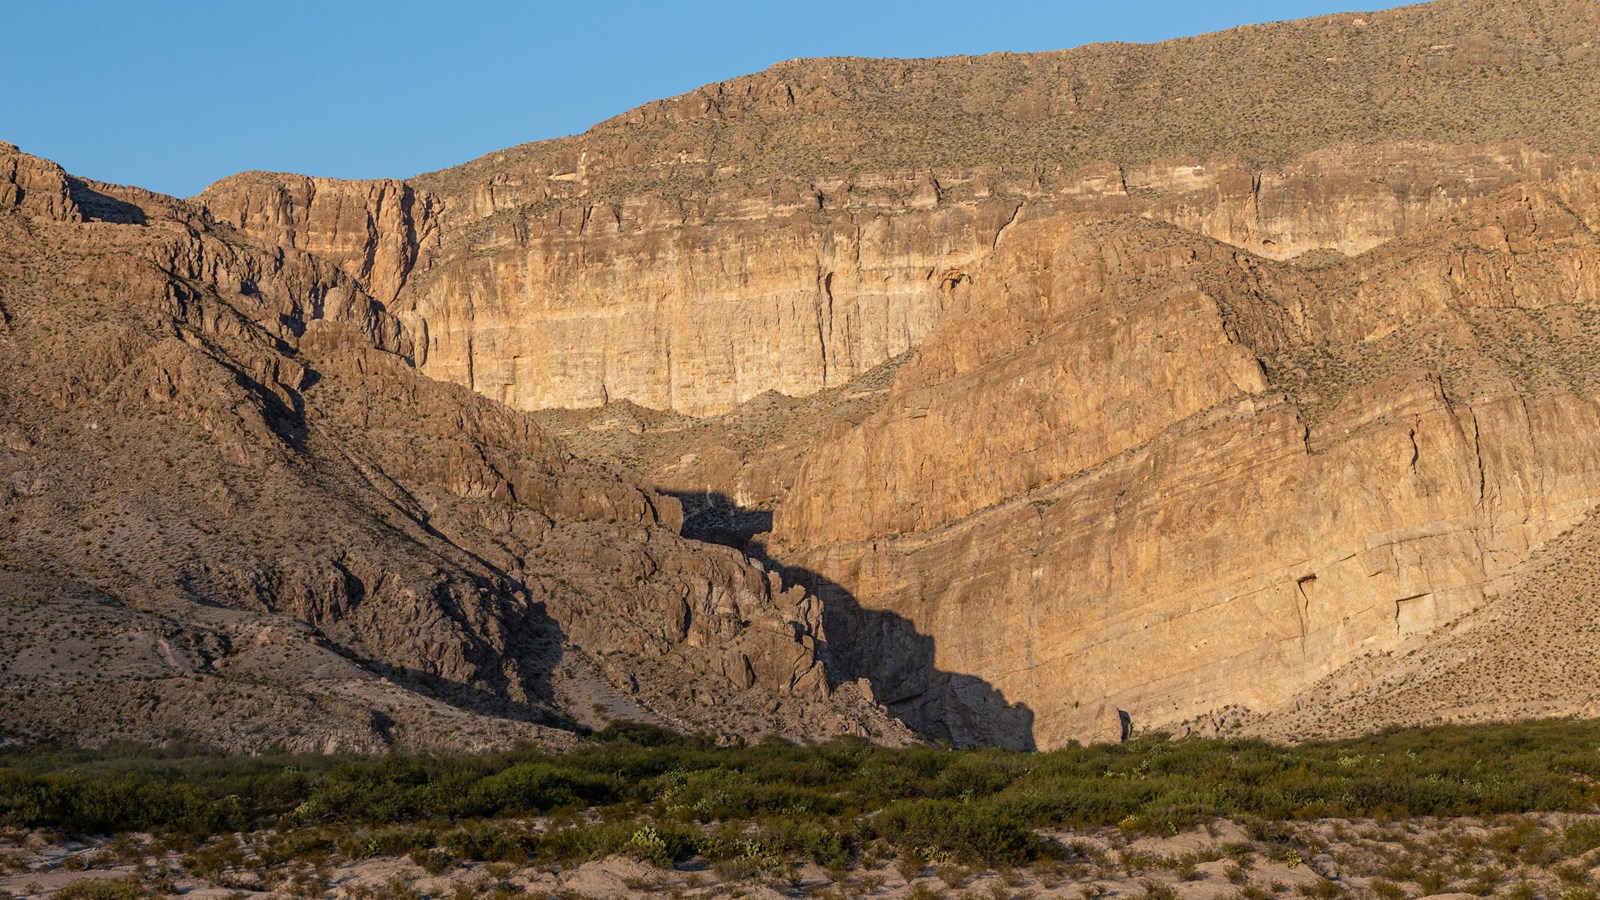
(1528, 792)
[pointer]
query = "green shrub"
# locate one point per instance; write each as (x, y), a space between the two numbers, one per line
(434, 862)
(538, 787)
(822, 803)
(822, 843)
(483, 842)
(1580, 837)
(642, 734)
(969, 832)
(129, 887)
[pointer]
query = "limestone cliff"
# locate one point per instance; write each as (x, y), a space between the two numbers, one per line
(794, 229)
(699, 305)
(1152, 471)
(1212, 366)
(373, 230)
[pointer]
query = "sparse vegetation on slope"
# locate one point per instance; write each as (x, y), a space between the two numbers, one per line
(1460, 71)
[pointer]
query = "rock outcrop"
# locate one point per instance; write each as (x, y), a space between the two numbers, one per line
(373, 230)
(35, 185)
(227, 490)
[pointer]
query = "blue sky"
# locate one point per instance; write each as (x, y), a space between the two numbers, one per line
(174, 94)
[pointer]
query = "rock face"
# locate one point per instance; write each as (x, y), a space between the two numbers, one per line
(699, 310)
(1150, 470)
(235, 513)
(792, 230)
(1529, 654)
(698, 306)
(1138, 468)
(373, 230)
(1190, 382)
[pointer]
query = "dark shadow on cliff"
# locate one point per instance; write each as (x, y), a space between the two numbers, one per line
(715, 519)
(884, 648)
(98, 207)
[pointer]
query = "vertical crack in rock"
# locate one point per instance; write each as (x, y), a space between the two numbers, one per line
(1255, 206)
(824, 311)
(1303, 610)
(1010, 220)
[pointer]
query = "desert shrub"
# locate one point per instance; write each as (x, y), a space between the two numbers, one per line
(1524, 841)
(818, 802)
(580, 841)
(1573, 873)
(643, 734)
(969, 832)
(129, 887)
(973, 775)
(1580, 837)
(434, 862)
(1523, 890)
(648, 844)
(485, 842)
(1386, 890)
(822, 843)
(212, 860)
(538, 787)
(1321, 889)
(303, 844)
(1155, 890)
(103, 805)
(385, 842)
(678, 842)
(1432, 881)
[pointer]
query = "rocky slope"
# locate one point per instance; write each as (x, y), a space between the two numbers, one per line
(1166, 382)
(234, 513)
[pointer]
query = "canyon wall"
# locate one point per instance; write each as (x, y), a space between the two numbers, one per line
(1225, 361)
(698, 305)
(1114, 482)
(792, 229)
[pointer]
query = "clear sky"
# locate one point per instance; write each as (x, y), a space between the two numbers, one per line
(174, 94)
